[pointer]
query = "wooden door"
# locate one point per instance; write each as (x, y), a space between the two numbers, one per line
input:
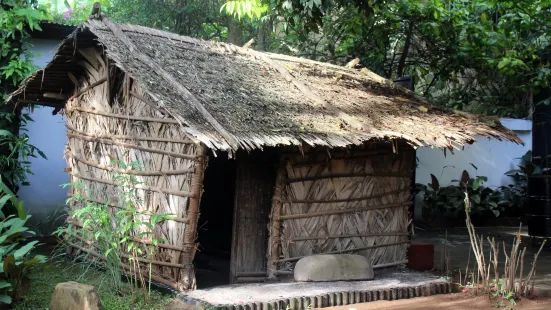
(254, 186)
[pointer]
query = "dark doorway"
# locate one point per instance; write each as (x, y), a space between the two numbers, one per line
(212, 260)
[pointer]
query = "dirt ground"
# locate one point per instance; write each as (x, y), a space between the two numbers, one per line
(445, 302)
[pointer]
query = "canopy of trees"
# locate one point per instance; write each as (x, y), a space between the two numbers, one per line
(484, 56)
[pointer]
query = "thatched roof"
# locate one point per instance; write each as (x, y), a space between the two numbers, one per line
(250, 99)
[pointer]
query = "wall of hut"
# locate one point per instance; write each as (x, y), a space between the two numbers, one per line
(342, 202)
(110, 119)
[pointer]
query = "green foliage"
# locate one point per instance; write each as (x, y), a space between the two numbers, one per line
(187, 17)
(118, 236)
(16, 262)
(15, 164)
(500, 290)
(514, 195)
(250, 8)
(71, 12)
(16, 19)
(438, 200)
(483, 56)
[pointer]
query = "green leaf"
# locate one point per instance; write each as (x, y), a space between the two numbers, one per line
(21, 212)
(4, 133)
(24, 250)
(503, 63)
(476, 184)
(5, 299)
(4, 284)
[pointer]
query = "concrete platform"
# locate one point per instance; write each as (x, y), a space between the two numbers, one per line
(387, 285)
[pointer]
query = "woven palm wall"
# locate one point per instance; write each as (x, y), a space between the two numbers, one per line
(354, 202)
(109, 119)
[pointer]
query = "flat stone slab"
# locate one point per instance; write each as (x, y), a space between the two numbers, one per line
(333, 267)
(388, 285)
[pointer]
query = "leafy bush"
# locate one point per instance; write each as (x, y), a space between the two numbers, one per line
(514, 195)
(117, 235)
(438, 200)
(17, 18)
(16, 261)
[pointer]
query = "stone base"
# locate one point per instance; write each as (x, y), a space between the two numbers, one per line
(333, 267)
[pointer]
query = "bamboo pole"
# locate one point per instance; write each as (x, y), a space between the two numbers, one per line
(351, 199)
(128, 145)
(126, 117)
(359, 156)
(108, 80)
(134, 172)
(87, 88)
(138, 186)
(149, 103)
(275, 217)
(114, 205)
(366, 235)
(342, 211)
(140, 259)
(294, 259)
(187, 279)
(160, 245)
(126, 137)
(349, 175)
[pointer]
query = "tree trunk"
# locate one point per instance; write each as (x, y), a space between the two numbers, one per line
(405, 52)
(264, 32)
(235, 32)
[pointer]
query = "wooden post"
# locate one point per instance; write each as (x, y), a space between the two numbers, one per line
(274, 240)
(186, 281)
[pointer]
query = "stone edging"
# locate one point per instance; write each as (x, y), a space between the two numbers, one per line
(333, 299)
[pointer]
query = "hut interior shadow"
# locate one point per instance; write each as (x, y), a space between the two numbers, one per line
(212, 260)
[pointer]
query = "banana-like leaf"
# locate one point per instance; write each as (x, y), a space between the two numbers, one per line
(4, 285)
(5, 299)
(22, 251)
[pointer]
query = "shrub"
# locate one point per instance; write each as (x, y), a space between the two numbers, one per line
(117, 235)
(16, 260)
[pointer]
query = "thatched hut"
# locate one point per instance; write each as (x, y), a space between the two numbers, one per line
(287, 157)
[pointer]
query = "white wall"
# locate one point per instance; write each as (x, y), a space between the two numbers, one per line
(44, 197)
(492, 158)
